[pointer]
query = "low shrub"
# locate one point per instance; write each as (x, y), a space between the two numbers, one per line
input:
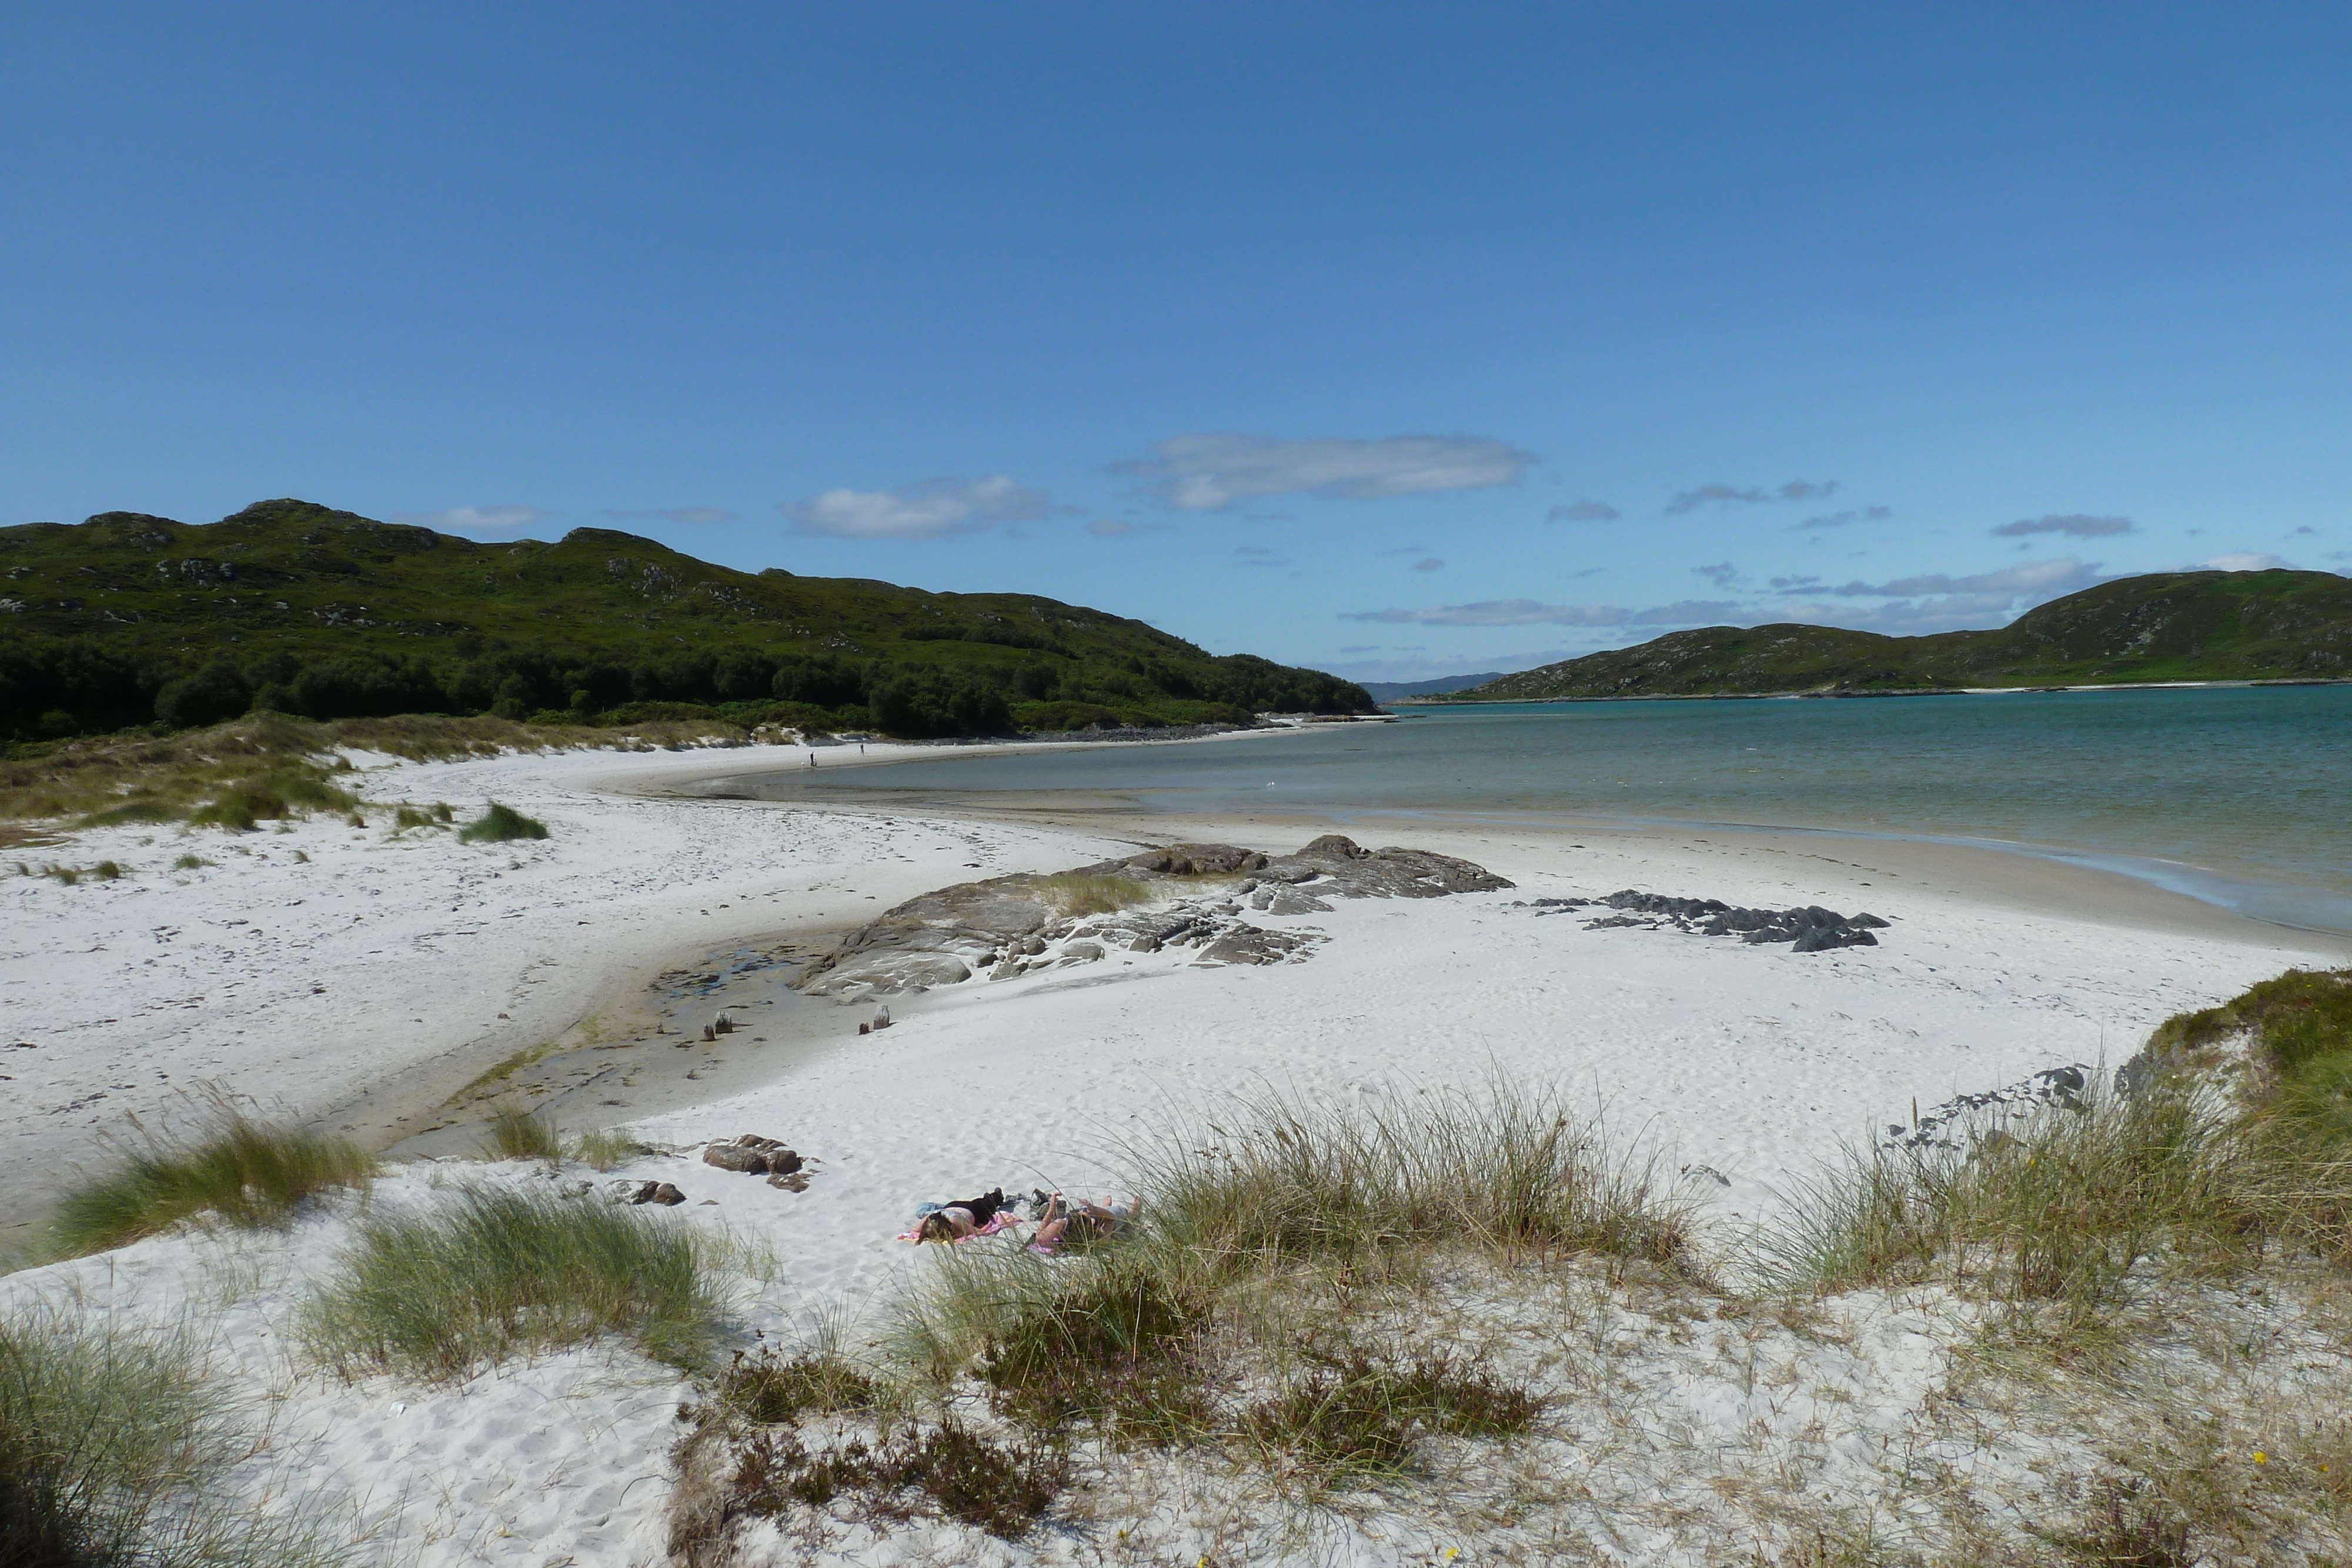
(519, 1135)
(491, 1274)
(1000, 1488)
(107, 871)
(1355, 1414)
(771, 1388)
(63, 873)
(246, 1173)
(501, 823)
(407, 817)
(113, 1450)
(192, 863)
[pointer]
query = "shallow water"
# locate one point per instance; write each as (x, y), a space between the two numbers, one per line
(2236, 795)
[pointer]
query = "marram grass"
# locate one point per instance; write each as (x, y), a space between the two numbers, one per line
(487, 1275)
(113, 1448)
(239, 1172)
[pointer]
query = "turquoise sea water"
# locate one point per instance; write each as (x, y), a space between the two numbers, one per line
(2241, 796)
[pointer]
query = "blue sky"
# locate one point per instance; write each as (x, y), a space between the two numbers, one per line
(1394, 339)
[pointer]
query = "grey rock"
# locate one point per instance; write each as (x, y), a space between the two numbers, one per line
(1255, 945)
(1081, 952)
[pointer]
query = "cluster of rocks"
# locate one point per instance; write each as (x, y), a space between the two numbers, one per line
(753, 1155)
(1011, 926)
(1811, 929)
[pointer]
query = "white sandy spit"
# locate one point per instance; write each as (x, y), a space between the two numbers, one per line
(299, 982)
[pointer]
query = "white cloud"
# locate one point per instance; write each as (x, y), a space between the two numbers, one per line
(1119, 527)
(1583, 512)
(1212, 472)
(694, 517)
(1722, 575)
(1724, 494)
(2241, 561)
(2036, 580)
(1842, 519)
(512, 522)
(934, 510)
(2075, 524)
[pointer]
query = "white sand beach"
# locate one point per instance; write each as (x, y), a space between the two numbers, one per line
(361, 977)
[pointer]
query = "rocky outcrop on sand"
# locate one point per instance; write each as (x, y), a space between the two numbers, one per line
(1181, 895)
(1811, 929)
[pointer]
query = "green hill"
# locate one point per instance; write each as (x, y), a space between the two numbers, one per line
(128, 620)
(2167, 626)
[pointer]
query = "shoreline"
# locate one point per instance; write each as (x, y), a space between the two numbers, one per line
(1816, 692)
(2197, 885)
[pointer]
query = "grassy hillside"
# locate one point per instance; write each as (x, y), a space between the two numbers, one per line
(2168, 626)
(127, 620)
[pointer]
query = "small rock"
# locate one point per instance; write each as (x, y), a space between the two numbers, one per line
(791, 1181)
(1081, 952)
(735, 1157)
(663, 1193)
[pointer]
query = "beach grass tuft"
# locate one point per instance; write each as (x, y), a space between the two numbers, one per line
(245, 1173)
(515, 1134)
(113, 1449)
(602, 1148)
(1077, 894)
(498, 824)
(1502, 1169)
(492, 1274)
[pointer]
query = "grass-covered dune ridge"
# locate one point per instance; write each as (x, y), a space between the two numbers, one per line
(127, 619)
(2163, 626)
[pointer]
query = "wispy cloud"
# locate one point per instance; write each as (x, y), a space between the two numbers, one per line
(934, 510)
(1531, 613)
(1212, 472)
(1725, 495)
(511, 521)
(1722, 575)
(2241, 561)
(698, 517)
(1583, 512)
(1119, 527)
(1258, 555)
(1842, 519)
(2076, 525)
(2034, 579)
(1431, 564)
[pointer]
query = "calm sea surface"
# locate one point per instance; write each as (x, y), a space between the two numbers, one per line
(2241, 796)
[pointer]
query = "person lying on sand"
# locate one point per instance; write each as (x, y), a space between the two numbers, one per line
(1065, 1221)
(954, 1222)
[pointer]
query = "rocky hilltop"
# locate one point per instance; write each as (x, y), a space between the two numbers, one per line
(2167, 626)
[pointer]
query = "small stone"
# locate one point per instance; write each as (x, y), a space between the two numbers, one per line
(663, 1193)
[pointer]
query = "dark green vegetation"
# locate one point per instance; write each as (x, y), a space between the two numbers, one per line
(113, 1450)
(239, 1171)
(2168, 626)
(128, 620)
(499, 825)
(489, 1274)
